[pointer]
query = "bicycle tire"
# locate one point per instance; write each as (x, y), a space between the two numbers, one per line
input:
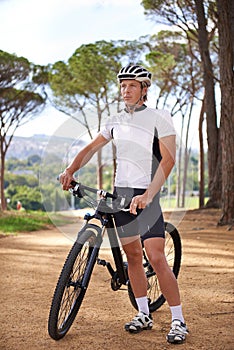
(173, 253)
(69, 291)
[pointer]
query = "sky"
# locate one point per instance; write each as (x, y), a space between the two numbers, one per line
(47, 31)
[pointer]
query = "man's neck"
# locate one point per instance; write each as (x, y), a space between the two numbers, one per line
(138, 108)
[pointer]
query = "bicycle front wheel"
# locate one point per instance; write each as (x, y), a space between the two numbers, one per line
(173, 253)
(70, 289)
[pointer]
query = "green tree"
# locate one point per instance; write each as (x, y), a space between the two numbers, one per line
(86, 79)
(30, 198)
(20, 180)
(34, 159)
(19, 102)
(191, 18)
(178, 78)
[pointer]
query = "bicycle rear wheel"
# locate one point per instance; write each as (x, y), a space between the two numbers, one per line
(70, 289)
(173, 255)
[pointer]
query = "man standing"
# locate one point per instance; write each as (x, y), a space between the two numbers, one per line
(145, 155)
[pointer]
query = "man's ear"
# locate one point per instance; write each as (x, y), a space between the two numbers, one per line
(144, 91)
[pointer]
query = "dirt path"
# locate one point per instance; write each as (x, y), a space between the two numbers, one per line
(30, 264)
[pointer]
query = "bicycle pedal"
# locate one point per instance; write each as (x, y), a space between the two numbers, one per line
(101, 262)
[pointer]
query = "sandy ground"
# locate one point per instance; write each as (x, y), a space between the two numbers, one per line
(30, 264)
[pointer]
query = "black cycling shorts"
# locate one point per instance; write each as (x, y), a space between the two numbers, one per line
(148, 222)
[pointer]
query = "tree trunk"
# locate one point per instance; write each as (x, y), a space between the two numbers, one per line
(179, 167)
(185, 172)
(210, 108)
(186, 156)
(3, 205)
(201, 158)
(226, 61)
(178, 182)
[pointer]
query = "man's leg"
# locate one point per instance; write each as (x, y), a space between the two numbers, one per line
(169, 287)
(133, 250)
(155, 251)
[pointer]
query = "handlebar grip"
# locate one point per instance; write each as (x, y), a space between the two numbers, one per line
(73, 183)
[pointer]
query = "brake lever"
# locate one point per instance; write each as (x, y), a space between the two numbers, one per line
(76, 190)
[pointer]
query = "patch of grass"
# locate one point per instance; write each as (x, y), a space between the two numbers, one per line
(12, 222)
(191, 202)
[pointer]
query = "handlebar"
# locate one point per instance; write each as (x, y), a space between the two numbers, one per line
(78, 190)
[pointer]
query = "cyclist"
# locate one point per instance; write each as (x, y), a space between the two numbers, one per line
(145, 155)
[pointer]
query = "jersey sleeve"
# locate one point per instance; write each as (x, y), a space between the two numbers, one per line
(106, 129)
(164, 124)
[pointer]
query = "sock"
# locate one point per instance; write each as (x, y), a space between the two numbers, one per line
(176, 313)
(142, 304)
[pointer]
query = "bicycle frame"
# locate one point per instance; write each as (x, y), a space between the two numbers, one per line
(119, 276)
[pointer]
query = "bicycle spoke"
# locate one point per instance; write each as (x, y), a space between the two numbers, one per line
(154, 290)
(73, 287)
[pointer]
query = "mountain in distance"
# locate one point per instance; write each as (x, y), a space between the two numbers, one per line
(24, 147)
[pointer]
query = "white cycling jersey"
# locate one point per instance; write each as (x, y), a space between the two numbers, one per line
(136, 138)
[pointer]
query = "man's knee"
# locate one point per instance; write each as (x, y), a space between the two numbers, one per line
(134, 256)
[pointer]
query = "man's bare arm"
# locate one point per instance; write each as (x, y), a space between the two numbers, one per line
(81, 159)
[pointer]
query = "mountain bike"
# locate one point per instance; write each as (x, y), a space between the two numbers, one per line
(84, 254)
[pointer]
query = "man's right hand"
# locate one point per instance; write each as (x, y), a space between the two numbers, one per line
(65, 179)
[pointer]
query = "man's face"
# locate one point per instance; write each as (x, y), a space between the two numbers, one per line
(131, 91)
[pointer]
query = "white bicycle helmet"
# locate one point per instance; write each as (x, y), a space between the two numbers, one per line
(135, 72)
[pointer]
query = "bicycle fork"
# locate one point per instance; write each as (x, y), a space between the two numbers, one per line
(90, 266)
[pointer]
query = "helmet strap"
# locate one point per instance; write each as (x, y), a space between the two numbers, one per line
(131, 108)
